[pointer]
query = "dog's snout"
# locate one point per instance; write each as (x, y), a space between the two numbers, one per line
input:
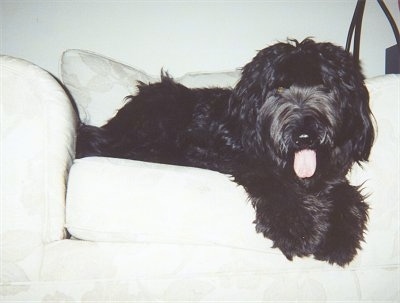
(304, 140)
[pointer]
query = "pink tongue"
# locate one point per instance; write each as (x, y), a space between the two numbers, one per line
(305, 163)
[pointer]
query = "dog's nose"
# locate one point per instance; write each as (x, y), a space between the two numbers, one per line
(304, 140)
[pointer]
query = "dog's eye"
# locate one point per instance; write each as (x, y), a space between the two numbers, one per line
(280, 89)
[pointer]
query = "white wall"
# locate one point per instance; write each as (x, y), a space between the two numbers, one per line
(184, 36)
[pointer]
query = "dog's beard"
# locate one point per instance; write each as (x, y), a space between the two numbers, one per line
(298, 123)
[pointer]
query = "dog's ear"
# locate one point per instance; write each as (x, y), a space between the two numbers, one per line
(258, 78)
(360, 124)
(343, 74)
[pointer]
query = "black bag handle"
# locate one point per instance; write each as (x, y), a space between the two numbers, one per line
(356, 23)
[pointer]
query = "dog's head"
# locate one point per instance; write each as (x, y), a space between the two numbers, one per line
(304, 106)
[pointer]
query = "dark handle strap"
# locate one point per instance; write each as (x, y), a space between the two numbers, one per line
(355, 27)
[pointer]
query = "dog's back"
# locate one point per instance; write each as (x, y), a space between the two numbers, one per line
(165, 122)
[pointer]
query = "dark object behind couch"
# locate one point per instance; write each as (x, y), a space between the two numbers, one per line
(392, 62)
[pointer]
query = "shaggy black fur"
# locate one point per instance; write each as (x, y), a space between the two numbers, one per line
(292, 98)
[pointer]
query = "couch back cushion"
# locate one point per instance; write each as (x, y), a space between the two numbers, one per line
(99, 84)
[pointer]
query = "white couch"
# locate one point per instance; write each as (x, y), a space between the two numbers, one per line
(151, 232)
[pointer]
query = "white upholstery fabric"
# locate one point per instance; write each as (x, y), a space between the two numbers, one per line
(37, 148)
(205, 273)
(146, 243)
(122, 200)
(99, 84)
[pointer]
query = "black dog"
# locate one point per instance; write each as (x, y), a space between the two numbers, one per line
(289, 132)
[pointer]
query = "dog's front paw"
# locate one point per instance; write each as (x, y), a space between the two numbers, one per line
(291, 242)
(340, 247)
(338, 254)
(347, 226)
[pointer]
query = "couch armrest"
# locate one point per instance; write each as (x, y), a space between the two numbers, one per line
(38, 126)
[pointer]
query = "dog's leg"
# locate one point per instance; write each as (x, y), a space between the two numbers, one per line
(295, 226)
(348, 220)
(92, 141)
(294, 221)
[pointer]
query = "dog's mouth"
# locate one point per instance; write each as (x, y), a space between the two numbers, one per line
(305, 163)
